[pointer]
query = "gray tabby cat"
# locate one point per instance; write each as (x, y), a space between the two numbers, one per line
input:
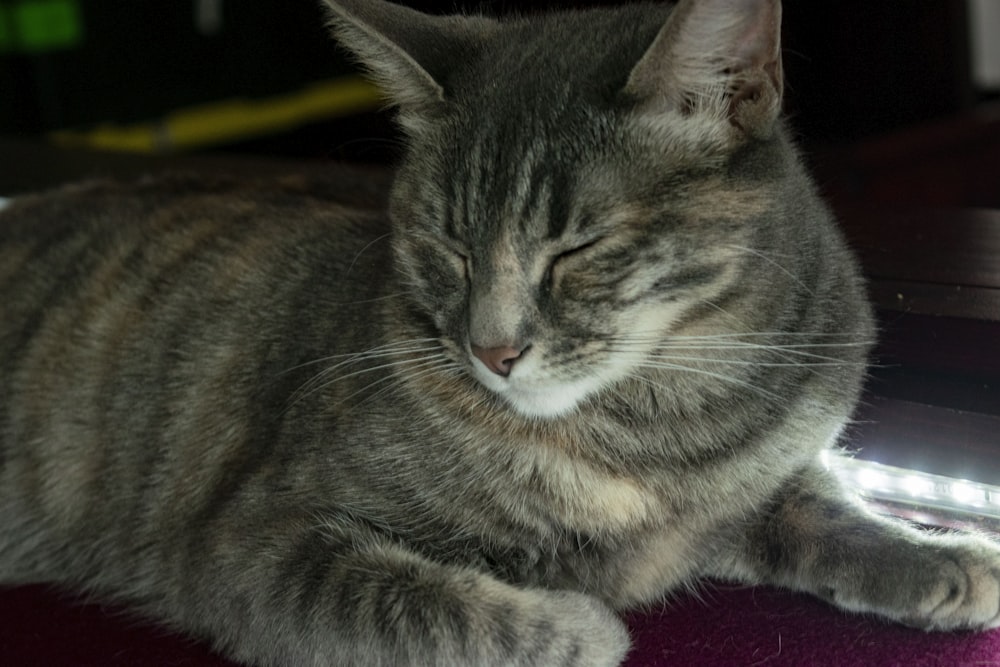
(591, 353)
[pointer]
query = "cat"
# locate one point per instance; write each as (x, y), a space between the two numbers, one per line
(587, 351)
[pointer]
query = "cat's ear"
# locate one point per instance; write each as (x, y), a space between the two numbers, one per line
(408, 53)
(716, 58)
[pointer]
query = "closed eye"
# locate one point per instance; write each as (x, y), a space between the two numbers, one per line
(553, 274)
(579, 249)
(460, 260)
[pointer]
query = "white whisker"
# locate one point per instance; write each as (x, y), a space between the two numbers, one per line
(390, 348)
(795, 353)
(394, 364)
(785, 352)
(717, 376)
(764, 364)
(362, 251)
(387, 297)
(655, 385)
(773, 263)
(737, 338)
(423, 368)
(406, 349)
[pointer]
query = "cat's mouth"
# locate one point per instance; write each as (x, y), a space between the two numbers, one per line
(526, 389)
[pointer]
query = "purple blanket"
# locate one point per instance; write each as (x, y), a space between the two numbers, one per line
(732, 627)
(745, 627)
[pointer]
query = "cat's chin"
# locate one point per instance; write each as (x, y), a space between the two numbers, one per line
(544, 404)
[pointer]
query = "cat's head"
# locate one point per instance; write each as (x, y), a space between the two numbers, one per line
(568, 195)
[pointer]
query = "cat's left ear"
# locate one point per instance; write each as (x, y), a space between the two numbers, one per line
(408, 53)
(720, 59)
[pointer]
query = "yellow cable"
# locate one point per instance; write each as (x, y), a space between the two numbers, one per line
(230, 120)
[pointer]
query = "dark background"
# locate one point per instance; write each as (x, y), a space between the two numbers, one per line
(855, 68)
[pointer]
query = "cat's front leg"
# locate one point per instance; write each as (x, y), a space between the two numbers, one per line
(815, 537)
(366, 601)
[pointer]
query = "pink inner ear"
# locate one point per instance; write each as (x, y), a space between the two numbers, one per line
(760, 48)
(748, 30)
(699, 35)
(761, 40)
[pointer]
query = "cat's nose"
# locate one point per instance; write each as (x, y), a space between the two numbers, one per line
(500, 360)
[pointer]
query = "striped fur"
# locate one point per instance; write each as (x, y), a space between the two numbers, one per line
(256, 410)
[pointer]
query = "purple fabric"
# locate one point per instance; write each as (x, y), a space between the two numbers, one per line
(746, 627)
(729, 626)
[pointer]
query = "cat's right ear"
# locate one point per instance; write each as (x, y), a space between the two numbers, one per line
(409, 54)
(717, 61)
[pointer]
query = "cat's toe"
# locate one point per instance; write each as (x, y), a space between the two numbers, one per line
(590, 633)
(966, 593)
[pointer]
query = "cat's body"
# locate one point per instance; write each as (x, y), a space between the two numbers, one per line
(592, 353)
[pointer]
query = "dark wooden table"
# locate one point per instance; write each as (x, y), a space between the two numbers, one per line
(922, 207)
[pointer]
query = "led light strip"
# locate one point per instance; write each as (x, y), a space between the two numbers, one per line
(899, 486)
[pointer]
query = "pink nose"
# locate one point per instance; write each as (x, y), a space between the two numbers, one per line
(500, 360)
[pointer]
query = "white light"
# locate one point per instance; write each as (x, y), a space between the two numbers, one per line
(914, 488)
(869, 478)
(965, 492)
(824, 456)
(917, 485)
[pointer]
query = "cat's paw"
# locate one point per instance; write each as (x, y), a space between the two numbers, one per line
(937, 583)
(575, 630)
(965, 592)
